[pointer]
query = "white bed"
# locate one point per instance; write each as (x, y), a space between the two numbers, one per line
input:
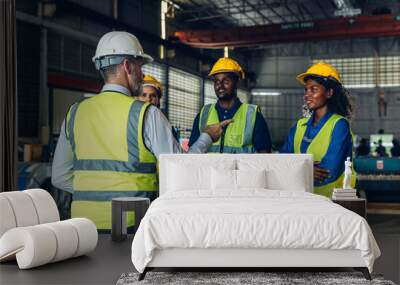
(198, 223)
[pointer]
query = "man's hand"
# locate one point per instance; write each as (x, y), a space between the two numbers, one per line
(320, 174)
(215, 130)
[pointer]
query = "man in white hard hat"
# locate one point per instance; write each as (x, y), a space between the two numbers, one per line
(109, 144)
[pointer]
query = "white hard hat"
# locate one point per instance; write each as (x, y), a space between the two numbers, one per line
(114, 44)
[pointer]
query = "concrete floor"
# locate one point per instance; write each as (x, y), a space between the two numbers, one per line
(103, 266)
(386, 229)
(110, 260)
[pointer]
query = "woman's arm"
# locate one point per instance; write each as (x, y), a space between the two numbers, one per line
(339, 149)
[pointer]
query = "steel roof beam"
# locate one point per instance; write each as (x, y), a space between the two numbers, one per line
(258, 12)
(224, 12)
(292, 12)
(273, 10)
(202, 18)
(306, 10)
(243, 12)
(325, 29)
(321, 8)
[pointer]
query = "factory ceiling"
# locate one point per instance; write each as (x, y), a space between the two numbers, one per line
(216, 23)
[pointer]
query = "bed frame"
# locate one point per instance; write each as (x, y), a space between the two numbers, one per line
(246, 259)
(242, 259)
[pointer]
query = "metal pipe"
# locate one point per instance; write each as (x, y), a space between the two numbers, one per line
(326, 29)
(89, 38)
(43, 90)
(24, 17)
(115, 9)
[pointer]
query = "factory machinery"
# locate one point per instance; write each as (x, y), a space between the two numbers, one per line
(378, 178)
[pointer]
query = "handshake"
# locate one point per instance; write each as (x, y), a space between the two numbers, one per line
(215, 130)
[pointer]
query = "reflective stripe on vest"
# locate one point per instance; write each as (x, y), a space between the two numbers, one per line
(238, 137)
(110, 158)
(318, 148)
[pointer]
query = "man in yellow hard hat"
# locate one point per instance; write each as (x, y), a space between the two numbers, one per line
(248, 133)
(326, 132)
(109, 144)
(152, 91)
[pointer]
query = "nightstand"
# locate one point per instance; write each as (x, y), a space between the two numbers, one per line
(122, 205)
(358, 206)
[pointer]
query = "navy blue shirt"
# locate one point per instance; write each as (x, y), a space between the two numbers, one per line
(340, 147)
(261, 136)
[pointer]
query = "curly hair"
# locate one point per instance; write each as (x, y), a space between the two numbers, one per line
(340, 102)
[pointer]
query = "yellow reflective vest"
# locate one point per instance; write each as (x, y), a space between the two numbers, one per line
(318, 148)
(110, 158)
(238, 136)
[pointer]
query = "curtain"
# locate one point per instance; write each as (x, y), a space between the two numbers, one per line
(8, 97)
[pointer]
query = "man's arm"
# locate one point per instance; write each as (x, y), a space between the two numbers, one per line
(159, 139)
(261, 136)
(61, 170)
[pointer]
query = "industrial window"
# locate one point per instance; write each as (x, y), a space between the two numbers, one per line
(159, 72)
(183, 100)
(367, 72)
(243, 95)
(389, 71)
(209, 93)
(354, 72)
(68, 54)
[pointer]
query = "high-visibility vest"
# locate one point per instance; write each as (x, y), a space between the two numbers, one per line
(238, 136)
(318, 148)
(110, 158)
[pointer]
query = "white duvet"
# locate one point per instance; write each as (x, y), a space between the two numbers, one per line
(250, 219)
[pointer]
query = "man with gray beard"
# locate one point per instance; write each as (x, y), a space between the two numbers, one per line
(109, 144)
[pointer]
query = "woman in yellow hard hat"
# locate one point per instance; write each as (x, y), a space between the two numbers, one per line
(326, 133)
(152, 91)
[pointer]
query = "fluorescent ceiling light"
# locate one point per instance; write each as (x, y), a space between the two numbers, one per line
(260, 92)
(389, 85)
(355, 86)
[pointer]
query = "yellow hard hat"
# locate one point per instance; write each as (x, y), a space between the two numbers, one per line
(226, 64)
(149, 80)
(321, 69)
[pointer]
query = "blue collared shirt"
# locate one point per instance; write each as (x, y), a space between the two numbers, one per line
(340, 147)
(261, 135)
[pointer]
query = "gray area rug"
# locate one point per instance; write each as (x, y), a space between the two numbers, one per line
(225, 278)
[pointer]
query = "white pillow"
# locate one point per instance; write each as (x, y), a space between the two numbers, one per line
(251, 178)
(223, 179)
(187, 176)
(292, 179)
(290, 175)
